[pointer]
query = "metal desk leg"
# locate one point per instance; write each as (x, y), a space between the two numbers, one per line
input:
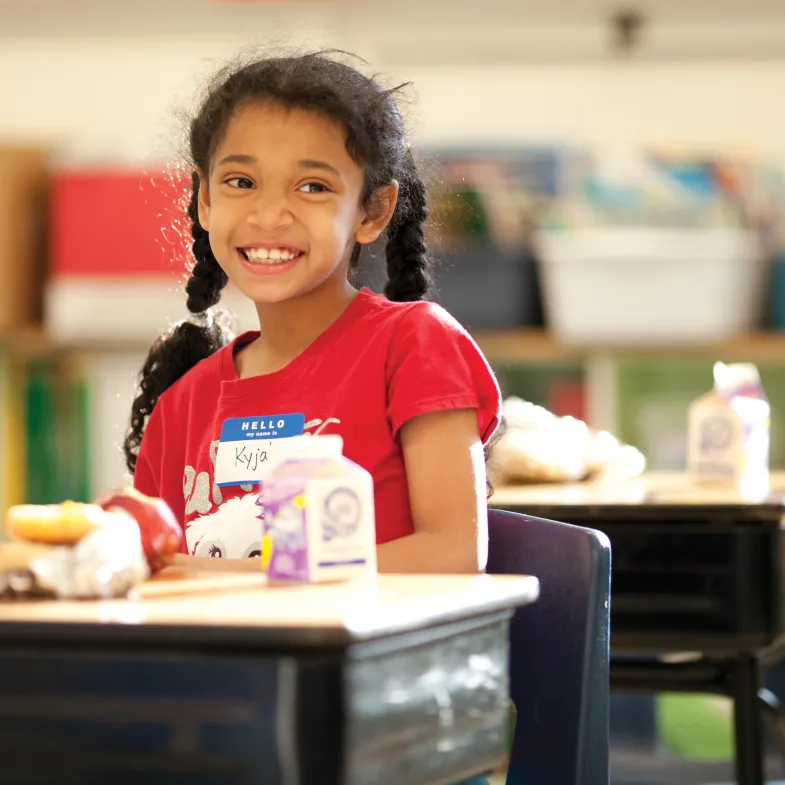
(748, 722)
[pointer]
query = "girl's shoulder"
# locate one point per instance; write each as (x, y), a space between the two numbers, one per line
(406, 316)
(422, 332)
(433, 364)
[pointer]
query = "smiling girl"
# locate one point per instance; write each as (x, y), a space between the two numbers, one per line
(298, 163)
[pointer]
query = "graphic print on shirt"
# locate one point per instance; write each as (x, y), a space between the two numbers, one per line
(227, 528)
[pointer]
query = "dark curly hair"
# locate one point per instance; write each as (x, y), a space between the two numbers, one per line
(376, 141)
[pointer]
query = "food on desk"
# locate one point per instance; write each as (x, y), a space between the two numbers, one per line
(538, 446)
(57, 524)
(17, 556)
(73, 550)
(161, 534)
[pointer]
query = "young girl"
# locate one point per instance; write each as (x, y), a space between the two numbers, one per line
(299, 162)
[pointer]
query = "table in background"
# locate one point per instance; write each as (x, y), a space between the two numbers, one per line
(697, 586)
(400, 679)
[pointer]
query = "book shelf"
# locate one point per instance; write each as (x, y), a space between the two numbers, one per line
(511, 346)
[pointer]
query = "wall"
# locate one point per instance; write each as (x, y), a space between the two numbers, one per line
(111, 82)
(99, 98)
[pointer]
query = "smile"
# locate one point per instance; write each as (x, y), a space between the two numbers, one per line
(270, 256)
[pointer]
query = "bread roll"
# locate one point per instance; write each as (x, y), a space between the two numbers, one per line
(56, 524)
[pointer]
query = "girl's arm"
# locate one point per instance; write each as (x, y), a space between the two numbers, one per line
(445, 469)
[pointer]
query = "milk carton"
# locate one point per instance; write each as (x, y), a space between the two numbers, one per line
(728, 430)
(319, 522)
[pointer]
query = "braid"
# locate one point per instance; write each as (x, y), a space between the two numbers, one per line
(175, 353)
(207, 278)
(408, 265)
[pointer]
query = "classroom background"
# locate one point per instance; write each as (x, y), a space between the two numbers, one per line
(608, 193)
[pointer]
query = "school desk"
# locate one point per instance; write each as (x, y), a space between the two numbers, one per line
(218, 678)
(697, 588)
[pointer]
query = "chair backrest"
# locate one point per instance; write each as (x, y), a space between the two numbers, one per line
(559, 649)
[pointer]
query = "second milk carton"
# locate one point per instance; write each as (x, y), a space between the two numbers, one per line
(728, 430)
(319, 522)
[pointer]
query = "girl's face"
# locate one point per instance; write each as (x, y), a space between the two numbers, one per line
(282, 202)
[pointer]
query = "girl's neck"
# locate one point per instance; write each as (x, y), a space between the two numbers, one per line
(290, 327)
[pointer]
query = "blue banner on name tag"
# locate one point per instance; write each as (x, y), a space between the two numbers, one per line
(251, 447)
(277, 427)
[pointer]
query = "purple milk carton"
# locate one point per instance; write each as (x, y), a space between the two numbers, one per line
(319, 522)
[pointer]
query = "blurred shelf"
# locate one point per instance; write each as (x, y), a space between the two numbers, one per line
(525, 345)
(539, 346)
(511, 346)
(27, 342)
(32, 342)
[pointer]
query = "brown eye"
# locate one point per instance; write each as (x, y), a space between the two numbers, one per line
(239, 182)
(313, 188)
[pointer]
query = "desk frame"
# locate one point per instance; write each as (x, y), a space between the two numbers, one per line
(731, 660)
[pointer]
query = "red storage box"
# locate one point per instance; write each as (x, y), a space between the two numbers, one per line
(114, 223)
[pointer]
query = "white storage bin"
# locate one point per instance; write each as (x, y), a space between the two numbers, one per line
(650, 285)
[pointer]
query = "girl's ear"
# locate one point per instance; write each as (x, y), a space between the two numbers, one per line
(204, 203)
(379, 215)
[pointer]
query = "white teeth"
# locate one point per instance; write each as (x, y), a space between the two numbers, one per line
(270, 256)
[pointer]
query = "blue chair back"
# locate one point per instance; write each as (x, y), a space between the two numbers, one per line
(559, 649)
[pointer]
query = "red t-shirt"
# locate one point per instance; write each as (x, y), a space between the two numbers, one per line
(377, 366)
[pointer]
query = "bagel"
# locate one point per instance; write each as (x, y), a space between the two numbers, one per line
(52, 524)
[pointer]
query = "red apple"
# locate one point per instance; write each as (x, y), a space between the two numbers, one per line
(161, 533)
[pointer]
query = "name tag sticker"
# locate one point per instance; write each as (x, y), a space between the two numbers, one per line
(251, 447)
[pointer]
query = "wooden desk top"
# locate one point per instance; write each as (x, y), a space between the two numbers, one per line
(249, 611)
(660, 488)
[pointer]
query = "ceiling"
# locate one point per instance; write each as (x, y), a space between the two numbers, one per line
(106, 16)
(424, 31)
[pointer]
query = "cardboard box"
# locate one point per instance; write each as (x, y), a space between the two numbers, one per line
(24, 178)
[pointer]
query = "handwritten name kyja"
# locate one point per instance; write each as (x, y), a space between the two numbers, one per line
(250, 458)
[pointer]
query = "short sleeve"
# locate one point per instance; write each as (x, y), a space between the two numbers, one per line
(434, 365)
